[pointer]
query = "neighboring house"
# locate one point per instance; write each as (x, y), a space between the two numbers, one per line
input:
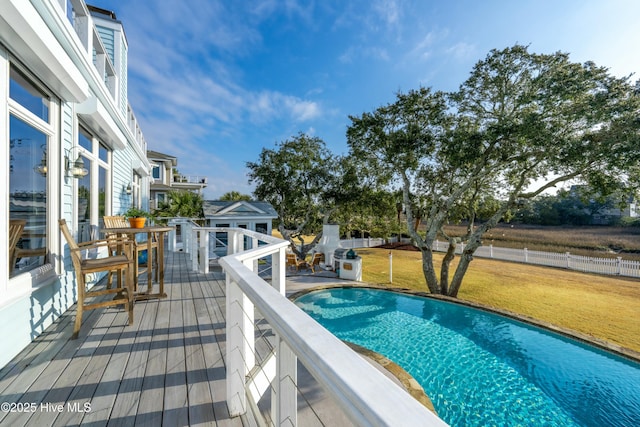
(614, 215)
(251, 215)
(165, 177)
(73, 149)
(608, 212)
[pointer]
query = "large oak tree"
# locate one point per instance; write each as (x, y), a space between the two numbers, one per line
(520, 124)
(302, 179)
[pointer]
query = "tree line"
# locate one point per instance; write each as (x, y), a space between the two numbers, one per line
(575, 206)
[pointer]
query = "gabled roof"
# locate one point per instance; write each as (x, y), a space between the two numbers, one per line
(242, 208)
(161, 157)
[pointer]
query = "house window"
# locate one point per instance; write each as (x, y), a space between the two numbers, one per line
(221, 239)
(94, 189)
(30, 133)
(136, 193)
(161, 198)
(28, 95)
(155, 172)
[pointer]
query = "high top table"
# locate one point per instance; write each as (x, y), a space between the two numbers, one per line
(160, 230)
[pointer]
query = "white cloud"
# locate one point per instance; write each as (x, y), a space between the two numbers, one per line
(302, 110)
(462, 51)
(423, 49)
(269, 105)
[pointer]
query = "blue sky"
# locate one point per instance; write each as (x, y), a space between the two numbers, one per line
(213, 82)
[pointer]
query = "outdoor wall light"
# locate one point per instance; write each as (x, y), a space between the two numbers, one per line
(42, 168)
(75, 169)
(129, 188)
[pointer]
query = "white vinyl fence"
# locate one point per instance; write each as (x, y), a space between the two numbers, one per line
(368, 242)
(611, 266)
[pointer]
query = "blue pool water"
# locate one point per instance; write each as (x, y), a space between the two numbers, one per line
(483, 369)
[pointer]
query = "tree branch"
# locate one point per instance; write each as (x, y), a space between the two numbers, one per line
(549, 184)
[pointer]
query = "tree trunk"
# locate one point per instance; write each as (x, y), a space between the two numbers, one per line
(446, 263)
(428, 270)
(461, 270)
(474, 242)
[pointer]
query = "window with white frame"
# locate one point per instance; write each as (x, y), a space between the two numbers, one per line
(94, 189)
(30, 133)
(136, 193)
(161, 199)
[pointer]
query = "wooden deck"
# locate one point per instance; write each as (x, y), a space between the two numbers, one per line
(167, 369)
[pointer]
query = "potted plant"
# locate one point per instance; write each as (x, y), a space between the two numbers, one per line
(136, 216)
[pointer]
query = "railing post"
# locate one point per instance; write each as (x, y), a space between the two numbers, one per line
(284, 395)
(249, 327)
(186, 230)
(193, 248)
(279, 271)
(203, 251)
(526, 255)
(171, 240)
(256, 263)
(235, 242)
(237, 369)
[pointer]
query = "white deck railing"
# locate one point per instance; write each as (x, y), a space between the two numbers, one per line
(607, 266)
(365, 394)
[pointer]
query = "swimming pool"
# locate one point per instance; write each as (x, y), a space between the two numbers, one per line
(481, 368)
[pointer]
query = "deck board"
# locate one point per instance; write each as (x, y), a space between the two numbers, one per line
(126, 404)
(167, 368)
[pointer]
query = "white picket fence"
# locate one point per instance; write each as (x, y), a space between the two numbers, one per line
(610, 266)
(368, 242)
